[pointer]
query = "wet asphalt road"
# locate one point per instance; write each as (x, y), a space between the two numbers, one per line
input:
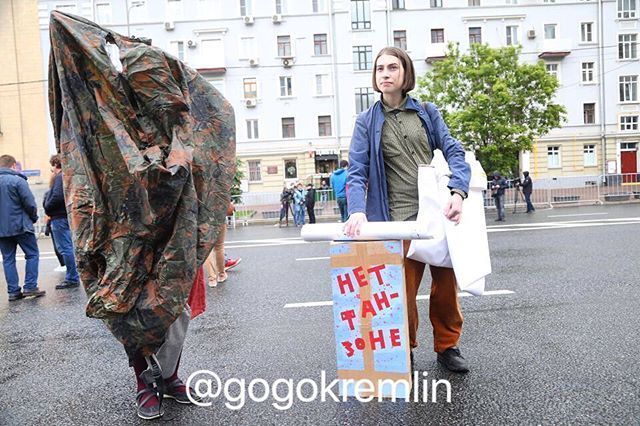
(561, 349)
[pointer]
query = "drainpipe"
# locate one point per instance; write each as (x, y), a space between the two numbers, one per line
(603, 137)
(23, 163)
(387, 12)
(334, 72)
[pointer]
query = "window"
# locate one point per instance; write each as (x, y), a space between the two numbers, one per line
(250, 88)
(475, 35)
(279, 7)
(437, 35)
(435, 3)
(320, 44)
(365, 97)
(474, 3)
(627, 46)
(553, 157)
(246, 8)
(512, 35)
(103, 12)
(67, 8)
(284, 46)
(285, 86)
(247, 47)
(397, 4)
(589, 113)
(628, 88)
(176, 48)
(362, 58)
(589, 155)
(628, 122)
(254, 171)
(211, 53)
(554, 70)
(324, 125)
(360, 15)
(549, 31)
(318, 6)
(586, 32)
(290, 169)
(511, 1)
(288, 127)
(626, 9)
(323, 86)
(587, 72)
(252, 129)
(400, 39)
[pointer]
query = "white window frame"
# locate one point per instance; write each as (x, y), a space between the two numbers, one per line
(330, 126)
(282, 127)
(553, 152)
(286, 86)
(587, 34)
(629, 47)
(588, 72)
(589, 155)
(280, 7)
(627, 9)
(174, 10)
(247, 48)
(246, 8)
(322, 82)
(555, 73)
(629, 126)
(555, 31)
(244, 91)
(174, 49)
(318, 6)
(257, 170)
(512, 31)
(252, 128)
(109, 13)
(284, 55)
(595, 114)
(632, 81)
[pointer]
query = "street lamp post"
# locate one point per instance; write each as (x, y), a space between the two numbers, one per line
(134, 3)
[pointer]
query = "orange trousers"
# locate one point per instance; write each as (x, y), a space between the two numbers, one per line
(444, 309)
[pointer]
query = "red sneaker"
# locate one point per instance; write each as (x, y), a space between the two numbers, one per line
(231, 263)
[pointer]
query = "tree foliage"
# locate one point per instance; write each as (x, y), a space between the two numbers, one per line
(491, 102)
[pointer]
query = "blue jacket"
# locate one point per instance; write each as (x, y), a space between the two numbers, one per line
(18, 210)
(339, 182)
(367, 181)
(54, 204)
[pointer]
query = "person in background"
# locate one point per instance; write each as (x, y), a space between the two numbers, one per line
(298, 204)
(339, 184)
(310, 202)
(18, 213)
(54, 207)
(527, 189)
(217, 264)
(286, 197)
(324, 192)
(498, 185)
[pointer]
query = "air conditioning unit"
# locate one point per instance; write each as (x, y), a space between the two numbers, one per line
(277, 19)
(287, 62)
(192, 44)
(250, 103)
(254, 62)
(531, 34)
(169, 25)
(248, 20)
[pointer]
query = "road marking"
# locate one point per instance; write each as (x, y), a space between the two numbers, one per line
(420, 297)
(314, 258)
(573, 215)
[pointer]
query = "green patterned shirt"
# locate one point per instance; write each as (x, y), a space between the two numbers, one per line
(404, 147)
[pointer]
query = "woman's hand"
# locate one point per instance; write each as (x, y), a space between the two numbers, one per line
(453, 209)
(354, 223)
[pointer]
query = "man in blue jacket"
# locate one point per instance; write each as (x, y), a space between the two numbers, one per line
(18, 213)
(390, 141)
(54, 207)
(339, 184)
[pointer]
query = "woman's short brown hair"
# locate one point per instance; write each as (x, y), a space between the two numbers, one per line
(409, 72)
(55, 161)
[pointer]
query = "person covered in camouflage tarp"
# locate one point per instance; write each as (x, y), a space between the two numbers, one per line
(148, 157)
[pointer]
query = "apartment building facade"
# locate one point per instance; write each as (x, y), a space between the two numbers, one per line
(298, 72)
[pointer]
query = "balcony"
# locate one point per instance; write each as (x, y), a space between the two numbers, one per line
(435, 52)
(556, 48)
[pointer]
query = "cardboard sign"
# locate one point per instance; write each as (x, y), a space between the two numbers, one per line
(370, 317)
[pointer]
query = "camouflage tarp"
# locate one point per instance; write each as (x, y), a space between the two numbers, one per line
(148, 158)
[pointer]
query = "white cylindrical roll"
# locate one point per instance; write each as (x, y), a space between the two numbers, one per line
(370, 231)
